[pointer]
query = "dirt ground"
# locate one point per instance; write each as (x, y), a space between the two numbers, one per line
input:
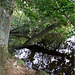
(12, 68)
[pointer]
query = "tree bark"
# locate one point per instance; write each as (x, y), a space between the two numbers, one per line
(5, 20)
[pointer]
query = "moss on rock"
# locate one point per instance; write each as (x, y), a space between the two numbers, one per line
(52, 40)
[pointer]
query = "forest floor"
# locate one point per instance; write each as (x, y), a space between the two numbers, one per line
(14, 68)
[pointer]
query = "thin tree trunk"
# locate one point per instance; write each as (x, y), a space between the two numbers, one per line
(5, 20)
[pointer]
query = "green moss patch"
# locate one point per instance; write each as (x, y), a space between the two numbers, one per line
(20, 62)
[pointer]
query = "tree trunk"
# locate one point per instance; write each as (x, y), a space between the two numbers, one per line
(39, 36)
(43, 33)
(5, 20)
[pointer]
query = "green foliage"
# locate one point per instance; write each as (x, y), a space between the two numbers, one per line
(66, 31)
(14, 41)
(14, 53)
(7, 5)
(30, 17)
(20, 62)
(41, 72)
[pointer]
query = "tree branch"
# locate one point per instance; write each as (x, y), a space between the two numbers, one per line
(18, 32)
(64, 15)
(36, 48)
(58, 32)
(39, 36)
(21, 36)
(17, 28)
